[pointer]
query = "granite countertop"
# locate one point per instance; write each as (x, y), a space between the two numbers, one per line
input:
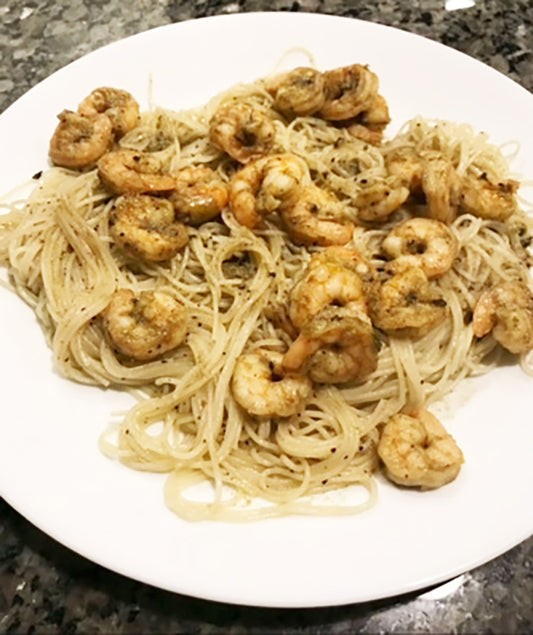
(46, 588)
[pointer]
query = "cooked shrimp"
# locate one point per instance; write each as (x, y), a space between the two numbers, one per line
(408, 303)
(132, 171)
(299, 92)
(262, 388)
(422, 242)
(316, 218)
(335, 276)
(418, 452)
(493, 201)
(371, 123)
(121, 108)
(265, 186)
(439, 184)
(506, 310)
(350, 90)
(200, 195)
(145, 325)
(337, 345)
(242, 131)
(406, 165)
(377, 202)
(80, 141)
(145, 227)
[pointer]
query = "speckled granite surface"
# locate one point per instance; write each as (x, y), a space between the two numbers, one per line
(45, 588)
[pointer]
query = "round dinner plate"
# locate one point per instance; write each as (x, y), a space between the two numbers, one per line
(51, 469)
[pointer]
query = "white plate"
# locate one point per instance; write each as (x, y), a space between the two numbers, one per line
(51, 470)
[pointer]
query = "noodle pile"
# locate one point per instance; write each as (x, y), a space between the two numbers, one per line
(235, 284)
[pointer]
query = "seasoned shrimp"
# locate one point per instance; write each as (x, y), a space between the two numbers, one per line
(377, 202)
(408, 303)
(418, 452)
(336, 346)
(200, 195)
(80, 141)
(121, 108)
(145, 227)
(262, 388)
(439, 184)
(350, 90)
(335, 276)
(422, 242)
(132, 171)
(145, 325)
(405, 164)
(316, 217)
(299, 92)
(242, 131)
(493, 201)
(265, 186)
(371, 123)
(506, 310)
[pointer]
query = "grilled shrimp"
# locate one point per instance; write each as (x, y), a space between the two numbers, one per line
(422, 242)
(350, 90)
(132, 171)
(506, 311)
(336, 346)
(418, 452)
(299, 92)
(439, 184)
(265, 186)
(408, 303)
(262, 388)
(80, 141)
(242, 131)
(405, 164)
(335, 276)
(316, 218)
(145, 227)
(481, 197)
(121, 108)
(377, 202)
(371, 123)
(145, 325)
(200, 195)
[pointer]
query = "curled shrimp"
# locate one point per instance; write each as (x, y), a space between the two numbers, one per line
(422, 242)
(200, 195)
(261, 387)
(439, 184)
(265, 186)
(119, 105)
(408, 303)
(132, 171)
(336, 346)
(329, 308)
(417, 451)
(481, 197)
(145, 227)
(144, 325)
(79, 141)
(405, 164)
(242, 131)
(506, 311)
(299, 92)
(377, 202)
(316, 217)
(350, 90)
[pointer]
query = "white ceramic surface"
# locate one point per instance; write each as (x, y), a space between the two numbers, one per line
(51, 470)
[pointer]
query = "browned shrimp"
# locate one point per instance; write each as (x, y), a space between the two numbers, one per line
(482, 197)
(299, 92)
(370, 124)
(145, 227)
(121, 108)
(242, 131)
(200, 195)
(132, 171)
(350, 90)
(375, 203)
(80, 141)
